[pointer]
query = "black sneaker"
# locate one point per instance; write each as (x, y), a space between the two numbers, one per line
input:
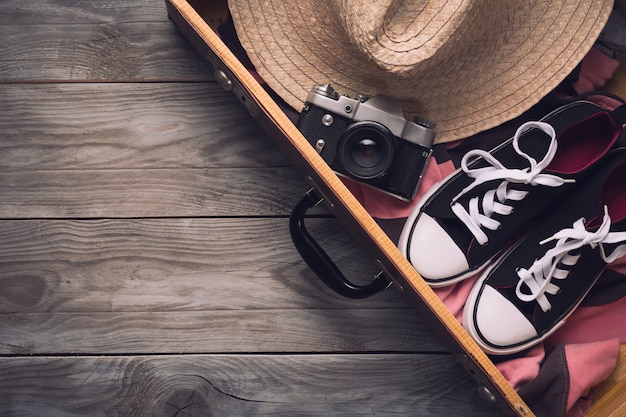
(531, 290)
(480, 209)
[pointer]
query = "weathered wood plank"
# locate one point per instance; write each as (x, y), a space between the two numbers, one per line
(216, 331)
(134, 51)
(150, 193)
(172, 265)
(85, 11)
(130, 125)
(186, 285)
(238, 385)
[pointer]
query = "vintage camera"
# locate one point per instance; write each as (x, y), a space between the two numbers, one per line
(368, 139)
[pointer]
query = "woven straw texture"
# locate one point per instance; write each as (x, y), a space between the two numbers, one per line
(466, 65)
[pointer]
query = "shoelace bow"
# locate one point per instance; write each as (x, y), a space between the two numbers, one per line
(538, 278)
(479, 211)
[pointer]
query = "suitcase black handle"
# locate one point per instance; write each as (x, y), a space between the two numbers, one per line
(320, 263)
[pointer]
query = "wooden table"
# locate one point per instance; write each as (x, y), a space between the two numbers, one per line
(146, 267)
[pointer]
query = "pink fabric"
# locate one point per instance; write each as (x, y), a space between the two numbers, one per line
(580, 408)
(589, 364)
(597, 68)
(589, 324)
(521, 370)
(454, 296)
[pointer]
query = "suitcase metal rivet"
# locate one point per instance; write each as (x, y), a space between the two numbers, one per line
(487, 395)
(223, 80)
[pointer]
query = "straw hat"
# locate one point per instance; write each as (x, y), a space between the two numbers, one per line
(466, 65)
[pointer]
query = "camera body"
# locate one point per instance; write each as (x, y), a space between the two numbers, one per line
(368, 139)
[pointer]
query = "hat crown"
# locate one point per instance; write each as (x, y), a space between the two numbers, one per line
(396, 35)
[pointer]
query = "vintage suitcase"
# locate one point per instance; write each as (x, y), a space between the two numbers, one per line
(198, 21)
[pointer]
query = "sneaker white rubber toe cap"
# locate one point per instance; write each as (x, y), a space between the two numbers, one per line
(433, 253)
(499, 323)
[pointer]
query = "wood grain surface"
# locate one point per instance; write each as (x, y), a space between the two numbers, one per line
(146, 267)
(233, 385)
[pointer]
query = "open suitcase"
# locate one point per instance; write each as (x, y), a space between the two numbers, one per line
(198, 21)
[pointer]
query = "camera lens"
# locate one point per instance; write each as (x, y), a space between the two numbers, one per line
(366, 150)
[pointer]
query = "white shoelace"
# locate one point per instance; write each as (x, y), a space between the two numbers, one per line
(493, 201)
(538, 278)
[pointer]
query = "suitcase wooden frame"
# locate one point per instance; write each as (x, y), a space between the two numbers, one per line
(196, 20)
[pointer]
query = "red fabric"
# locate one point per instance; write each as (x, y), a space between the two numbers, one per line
(597, 68)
